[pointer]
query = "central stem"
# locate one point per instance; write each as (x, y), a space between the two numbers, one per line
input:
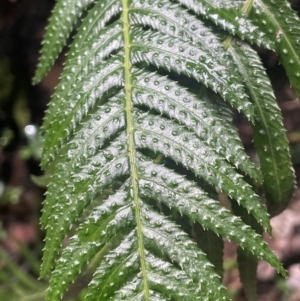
(131, 146)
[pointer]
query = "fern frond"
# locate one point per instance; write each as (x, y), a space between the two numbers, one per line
(64, 17)
(64, 203)
(281, 25)
(106, 220)
(212, 216)
(107, 75)
(268, 23)
(79, 65)
(269, 133)
(198, 114)
(113, 271)
(173, 141)
(140, 109)
(227, 15)
(247, 264)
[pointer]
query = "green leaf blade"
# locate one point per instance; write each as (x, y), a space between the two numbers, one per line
(85, 41)
(183, 147)
(140, 115)
(269, 133)
(114, 270)
(72, 203)
(281, 24)
(227, 15)
(185, 58)
(107, 76)
(64, 17)
(99, 228)
(195, 113)
(63, 185)
(171, 190)
(163, 236)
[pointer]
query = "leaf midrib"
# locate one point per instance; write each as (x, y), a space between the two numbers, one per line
(131, 145)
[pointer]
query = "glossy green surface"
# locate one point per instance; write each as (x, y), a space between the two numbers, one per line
(141, 104)
(268, 131)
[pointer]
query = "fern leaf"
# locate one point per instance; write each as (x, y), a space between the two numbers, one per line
(177, 143)
(83, 43)
(112, 40)
(149, 89)
(226, 15)
(212, 214)
(247, 264)
(159, 238)
(281, 25)
(175, 244)
(185, 58)
(113, 271)
(60, 108)
(146, 78)
(188, 290)
(106, 121)
(91, 237)
(64, 17)
(272, 24)
(64, 203)
(170, 18)
(269, 133)
(107, 76)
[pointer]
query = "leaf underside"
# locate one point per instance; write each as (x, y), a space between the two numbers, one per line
(140, 111)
